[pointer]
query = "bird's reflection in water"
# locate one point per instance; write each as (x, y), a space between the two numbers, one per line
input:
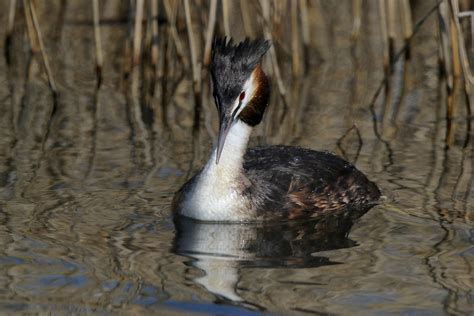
(221, 250)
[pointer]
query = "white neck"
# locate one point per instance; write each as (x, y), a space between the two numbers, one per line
(235, 146)
(217, 193)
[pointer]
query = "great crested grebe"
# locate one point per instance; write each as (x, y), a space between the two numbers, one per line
(263, 183)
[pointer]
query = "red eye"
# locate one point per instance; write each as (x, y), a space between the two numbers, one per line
(242, 95)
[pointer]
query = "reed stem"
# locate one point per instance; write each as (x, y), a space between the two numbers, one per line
(295, 40)
(154, 31)
(49, 73)
(137, 36)
(98, 41)
(196, 67)
(210, 32)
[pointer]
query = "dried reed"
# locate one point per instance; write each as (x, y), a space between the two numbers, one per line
(305, 33)
(407, 24)
(154, 35)
(225, 17)
(11, 17)
(9, 30)
(210, 32)
(273, 56)
(171, 15)
(295, 39)
(246, 19)
(357, 16)
(137, 36)
(98, 42)
(32, 11)
(167, 49)
(196, 67)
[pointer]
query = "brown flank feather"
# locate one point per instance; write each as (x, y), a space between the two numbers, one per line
(301, 200)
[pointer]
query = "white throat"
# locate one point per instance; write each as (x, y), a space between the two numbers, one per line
(233, 152)
(217, 192)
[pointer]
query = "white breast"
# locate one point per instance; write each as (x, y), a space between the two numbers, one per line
(217, 192)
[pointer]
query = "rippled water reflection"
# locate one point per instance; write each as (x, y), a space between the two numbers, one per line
(85, 191)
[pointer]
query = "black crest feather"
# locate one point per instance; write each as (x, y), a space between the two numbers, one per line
(232, 64)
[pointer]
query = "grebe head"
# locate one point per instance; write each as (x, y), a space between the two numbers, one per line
(240, 87)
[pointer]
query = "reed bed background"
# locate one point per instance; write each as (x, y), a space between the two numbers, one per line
(169, 41)
(167, 45)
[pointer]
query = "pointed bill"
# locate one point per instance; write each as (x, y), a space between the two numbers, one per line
(224, 128)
